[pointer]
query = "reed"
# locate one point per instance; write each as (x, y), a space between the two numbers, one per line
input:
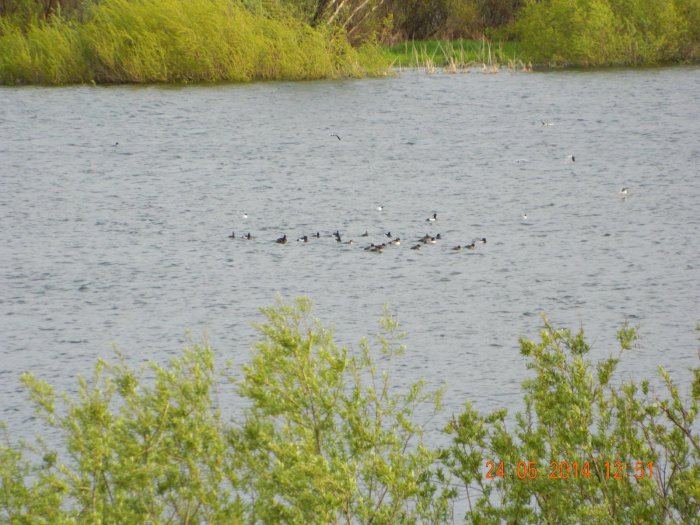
(456, 55)
(46, 53)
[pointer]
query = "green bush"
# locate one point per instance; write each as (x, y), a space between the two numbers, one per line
(175, 41)
(579, 427)
(325, 438)
(609, 32)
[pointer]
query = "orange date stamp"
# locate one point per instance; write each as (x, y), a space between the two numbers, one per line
(598, 470)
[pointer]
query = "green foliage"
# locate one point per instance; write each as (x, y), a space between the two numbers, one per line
(48, 53)
(175, 41)
(606, 32)
(575, 413)
(326, 439)
(135, 454)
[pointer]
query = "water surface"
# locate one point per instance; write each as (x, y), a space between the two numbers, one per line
(104, 243)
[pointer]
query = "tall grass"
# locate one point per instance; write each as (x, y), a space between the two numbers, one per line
(175, 41)
(456, 55)
(47, 53)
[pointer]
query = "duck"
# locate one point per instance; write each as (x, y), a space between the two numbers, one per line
(573, 159)
(248, 236)
(471, 246)
(244, 216)
(366, 234)
(305, 238)
(349, 242)
(457, 248)
(396, 241)
(317, 235)
(524, 216)
(416, 247)
(388, 234)
(232, 236)
(481, 241)
(337, 236)
(282, 240)
(432, 219)
(623, 191)
(380, 208)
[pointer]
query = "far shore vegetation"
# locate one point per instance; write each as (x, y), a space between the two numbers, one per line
(145, 41)
(324, 434)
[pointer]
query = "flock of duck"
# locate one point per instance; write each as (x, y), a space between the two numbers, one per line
(395, 241)
(391, 240)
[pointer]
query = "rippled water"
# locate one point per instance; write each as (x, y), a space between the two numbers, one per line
(127, 244)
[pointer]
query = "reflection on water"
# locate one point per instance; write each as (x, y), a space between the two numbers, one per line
(117, 204)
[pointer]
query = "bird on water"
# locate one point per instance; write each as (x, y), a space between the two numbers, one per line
(282, 240)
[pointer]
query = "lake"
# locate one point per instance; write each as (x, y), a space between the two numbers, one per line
(116, 204)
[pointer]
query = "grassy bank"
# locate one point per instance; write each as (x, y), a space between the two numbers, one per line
(455, 54)
(140, 41)
(120, 41)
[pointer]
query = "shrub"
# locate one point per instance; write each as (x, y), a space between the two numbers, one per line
(324, 437)
(586, 449)
(607, 32)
